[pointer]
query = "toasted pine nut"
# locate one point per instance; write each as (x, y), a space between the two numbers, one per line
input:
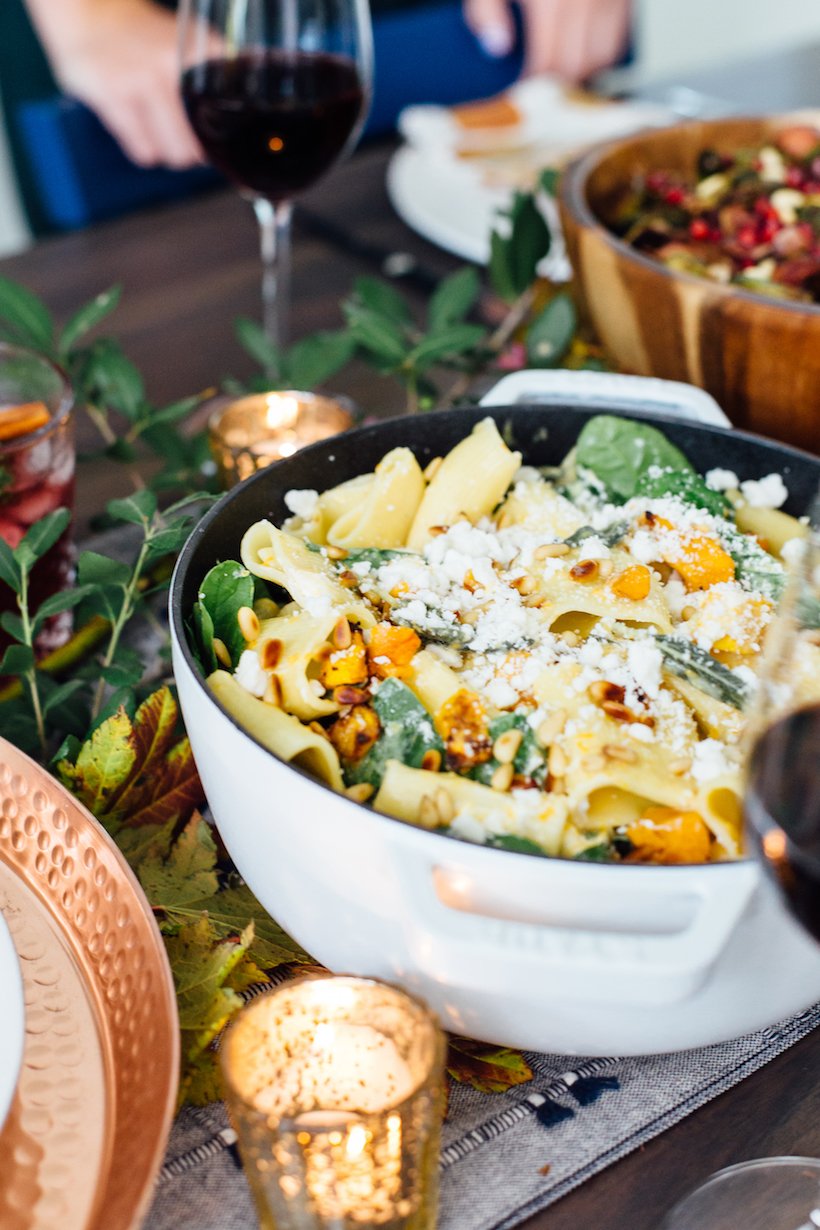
(535, 600)
(605, 568)
(584, 571)
(318, 729)
(557, 762)
(680, 766)
(501, 780)
(341, 635)
(551, 727)
(813, 636)
(602, 690)
(431, 469)
(333, 552)
(348, 579)
(221, 651)
(270, 655)
(248, 622)
(525, 585)
(428, 817)
(505, 748)
(360, 793)
(265, 608)
(346, 694)
(617, 711)
(571, 639)
(436, 530)
(594, 763)
(614, 752)
(273, 691)
(550, 550)
(446, 806)
(431, 760)
(689, 612)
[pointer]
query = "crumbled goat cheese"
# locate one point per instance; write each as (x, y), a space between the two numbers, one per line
(709, 760)
(768, 492)
(792, 551)
(249, 674)
(722, 480)
(302, 502)
(593, 548)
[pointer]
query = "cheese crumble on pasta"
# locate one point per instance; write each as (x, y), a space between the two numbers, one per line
(555, 665)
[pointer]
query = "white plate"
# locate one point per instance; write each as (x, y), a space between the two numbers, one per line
(12, 1020)
(448, 200)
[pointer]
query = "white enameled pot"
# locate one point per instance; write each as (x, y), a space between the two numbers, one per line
(544, 954)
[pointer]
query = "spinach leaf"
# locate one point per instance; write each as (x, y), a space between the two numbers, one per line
(530, 759)
(407, 732)
(688, 661)
(687, 486)
(226, 588)
(601, 852)
(519, 845)
(201, 639)
(619, 452)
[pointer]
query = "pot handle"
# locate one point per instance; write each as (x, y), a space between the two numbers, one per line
(607, 392)
(458, 945)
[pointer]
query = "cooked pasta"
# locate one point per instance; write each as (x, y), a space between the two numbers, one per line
(556, 664)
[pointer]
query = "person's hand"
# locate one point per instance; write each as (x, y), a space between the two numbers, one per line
(571, 38)
(119, 57)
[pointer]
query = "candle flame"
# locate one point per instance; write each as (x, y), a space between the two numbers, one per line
(356, 1142)
(394, 1135)
(282, 411)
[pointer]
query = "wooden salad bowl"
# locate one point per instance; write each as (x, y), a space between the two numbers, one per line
(758, 357)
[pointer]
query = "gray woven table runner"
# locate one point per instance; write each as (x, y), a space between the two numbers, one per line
(504, 1156)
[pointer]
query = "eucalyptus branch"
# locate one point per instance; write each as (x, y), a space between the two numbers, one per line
(130, 597)
(30, 674)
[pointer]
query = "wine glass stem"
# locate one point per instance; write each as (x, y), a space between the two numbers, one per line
(274, 237)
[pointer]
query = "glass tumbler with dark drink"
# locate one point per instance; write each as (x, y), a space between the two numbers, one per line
(36, 474)
(276, 91)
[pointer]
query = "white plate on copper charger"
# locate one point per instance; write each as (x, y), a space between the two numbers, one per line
(12, 1020)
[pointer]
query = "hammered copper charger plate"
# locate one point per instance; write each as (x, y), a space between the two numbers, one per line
(87, 1128)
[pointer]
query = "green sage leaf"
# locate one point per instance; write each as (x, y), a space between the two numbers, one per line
(453, 298)
(550, 335)
(88, 316)
(383, 299)
(24, 317)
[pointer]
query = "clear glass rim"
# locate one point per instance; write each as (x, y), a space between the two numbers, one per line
(781, 1162)
(286, 1122)
(60, 413)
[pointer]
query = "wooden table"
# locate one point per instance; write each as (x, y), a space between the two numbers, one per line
(187, 272)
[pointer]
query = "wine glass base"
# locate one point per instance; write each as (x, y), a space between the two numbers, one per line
(769, 1193)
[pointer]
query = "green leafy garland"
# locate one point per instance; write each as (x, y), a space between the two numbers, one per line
(97, 713)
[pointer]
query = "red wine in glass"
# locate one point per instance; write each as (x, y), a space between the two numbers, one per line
(274, 123)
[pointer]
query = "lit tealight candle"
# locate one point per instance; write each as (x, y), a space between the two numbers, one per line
(248, 434)
(335, 1087)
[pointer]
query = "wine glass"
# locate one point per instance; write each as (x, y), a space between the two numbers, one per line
(276, 91)
(782, 796)
(782, 814)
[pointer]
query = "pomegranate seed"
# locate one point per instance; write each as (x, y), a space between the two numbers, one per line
(747, 237)
(674, 196)
(769, 229)
(716, 235)
(795, 177)
(699, 228)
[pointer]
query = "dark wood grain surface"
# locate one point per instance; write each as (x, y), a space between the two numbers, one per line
(187, 271)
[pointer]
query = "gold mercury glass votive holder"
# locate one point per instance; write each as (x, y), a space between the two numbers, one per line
(336, 1089)
(248, 434)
